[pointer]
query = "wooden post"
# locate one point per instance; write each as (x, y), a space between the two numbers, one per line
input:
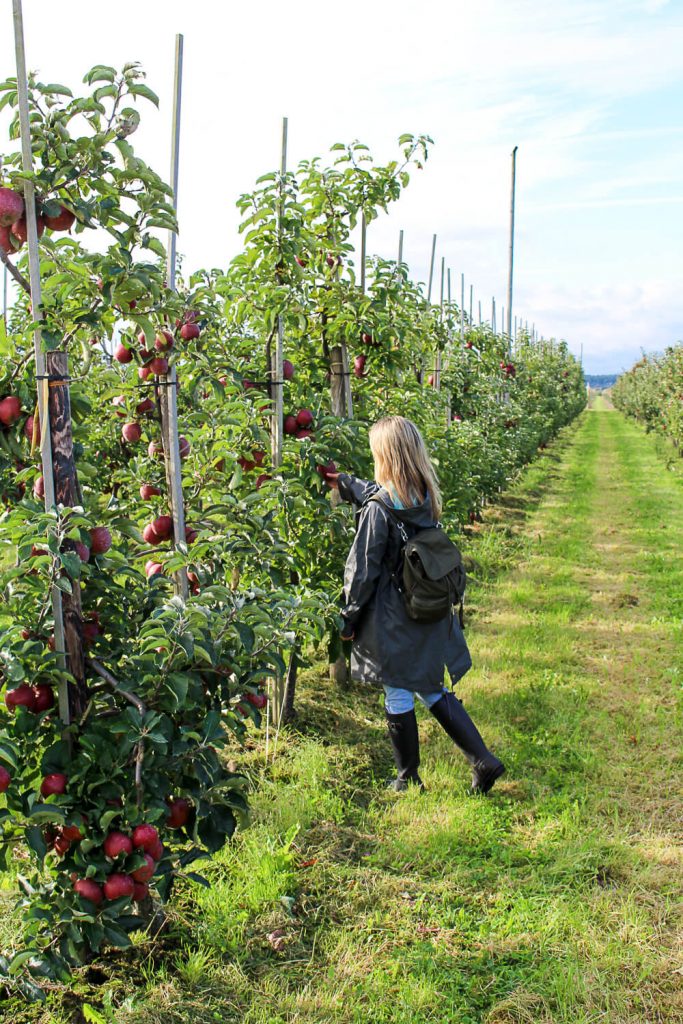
(493, 314)
(169, 383)
(512, 245)
(462, 306)
(480, 312)
(471, 299)
(363, 243)
(276, 364)
(437, 361)
(54, 408)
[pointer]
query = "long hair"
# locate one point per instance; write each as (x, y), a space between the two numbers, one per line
(401, 459)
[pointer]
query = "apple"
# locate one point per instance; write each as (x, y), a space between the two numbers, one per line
(323, 471)
(6, 242)
(62, 222)
(248, 384)
(39, 487)
(74, 833)
(117, 843)
(150, 536)
(190, 535)
(89, 890)
(148, 491)
(100, 540)
(331, 260)
(366, 338)
(469, 344)
(119, 400)
(287, 369)
(246, 464)
(53, 784)
(359, 366)
(258, 700)
(145, 406)
(155, 450)
(82, 551)
(153, 568)
(140, 891)
(122, 354)
(303, 434)
(184, 446)
(431, 380)
(178, 811)
(193, 580)
(19, 229)
(21, 696)
(260, 480)
(157, 850)
(300, 261)
(5, 779)
(145, 871)
(258, 456)
(144, 372)
(145, 837)
(188, 332)
(457, 418)
(43, 698)
(118, 885)
(31, 423)
(11, 207)
(131, 432)
(304, 418)
(159, 366)
(10, 410)
(163, 527)
(290, 425)
(90, 631)
(163, 341)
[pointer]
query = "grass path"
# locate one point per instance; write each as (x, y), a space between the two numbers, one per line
(555, 899)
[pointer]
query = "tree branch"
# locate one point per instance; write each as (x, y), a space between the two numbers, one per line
(16, 274)
(114, 684)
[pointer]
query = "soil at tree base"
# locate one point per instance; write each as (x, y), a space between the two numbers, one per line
(553, 900)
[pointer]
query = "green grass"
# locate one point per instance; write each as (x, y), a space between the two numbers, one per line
(553, 900)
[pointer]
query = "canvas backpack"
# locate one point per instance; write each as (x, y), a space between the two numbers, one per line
(430, 574)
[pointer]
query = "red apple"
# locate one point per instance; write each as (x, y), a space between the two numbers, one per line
(10, 410)
(303, 434)
(11, 207)
(62, 222)
(53, 784)
(359, 366)
(246, 464)
(100, 540)
(188, 332)
(290, 425)
(131, 432)
(304, 418)
(157, 850)
(89, 890)
(193, 580)
(122, 354)
(178, 812)
(117, 843)
(5, 779)
(163, 527)
(145, 837)
(159, 366)
(150, 536)
(431, 380)
(43, 698)
(145, 871)
(190, 535)
(140, 891)
(366, 338)
(21, 696)
(184, 446)
(39, 487)
(155, 450)
(118, 885)
(19, 229)
(163, 341)
(144, 372)
(6, 242)
(153, 568)
(287, 369)
(82, 551)
(145, 406)
(259, 700)
(260, 480)
(148, 491)
(32, 422)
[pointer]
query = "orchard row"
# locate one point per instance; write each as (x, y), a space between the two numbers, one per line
(652, 393)
(168, 684)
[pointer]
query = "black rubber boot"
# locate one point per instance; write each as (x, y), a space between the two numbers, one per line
(452, 717)
(405, 742)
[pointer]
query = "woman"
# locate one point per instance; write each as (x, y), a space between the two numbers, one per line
(389, 648)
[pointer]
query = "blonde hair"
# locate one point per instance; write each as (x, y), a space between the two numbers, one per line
(401, 459)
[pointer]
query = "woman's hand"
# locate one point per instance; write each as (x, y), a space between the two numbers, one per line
(332, 480)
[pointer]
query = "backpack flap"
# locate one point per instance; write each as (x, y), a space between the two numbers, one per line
(436, 552)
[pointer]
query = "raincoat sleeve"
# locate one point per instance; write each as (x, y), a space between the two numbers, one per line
(352, 489)
(364, 564)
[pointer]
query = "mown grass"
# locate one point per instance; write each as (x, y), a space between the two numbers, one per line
(553, 900)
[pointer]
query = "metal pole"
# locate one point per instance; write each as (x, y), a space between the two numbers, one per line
(277, 368)
(400, 247)
(512, 241)
(480, 312)
(462, 305)
(471, 300)
(363, 244)
(493, 314)
(437, 365)
(431, 270)
(36, 304)
(169, 392)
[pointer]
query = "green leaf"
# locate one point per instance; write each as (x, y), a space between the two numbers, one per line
(34, 838)
(146, 92)
(100, 73)
(48, 812)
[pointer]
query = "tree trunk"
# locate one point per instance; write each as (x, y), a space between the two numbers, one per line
(288, 713)
(66, 493)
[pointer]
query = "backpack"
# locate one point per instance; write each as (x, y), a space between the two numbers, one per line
(430, 575)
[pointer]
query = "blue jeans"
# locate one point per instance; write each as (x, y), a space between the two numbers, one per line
(398, 701)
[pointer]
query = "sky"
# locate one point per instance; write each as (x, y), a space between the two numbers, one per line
(590, 91)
